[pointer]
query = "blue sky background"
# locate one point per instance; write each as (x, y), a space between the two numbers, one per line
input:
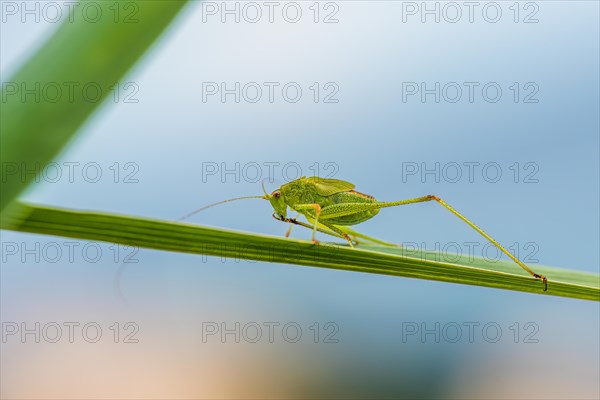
(371, 136)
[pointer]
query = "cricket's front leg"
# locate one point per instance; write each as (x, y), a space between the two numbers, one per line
(320, 226)
(289, 231)
(305, 209)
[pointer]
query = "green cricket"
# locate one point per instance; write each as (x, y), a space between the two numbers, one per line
(332, 205)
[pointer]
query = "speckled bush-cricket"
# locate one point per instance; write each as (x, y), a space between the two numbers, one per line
(331, 205)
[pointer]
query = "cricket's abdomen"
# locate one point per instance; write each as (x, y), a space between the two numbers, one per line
(352, 197)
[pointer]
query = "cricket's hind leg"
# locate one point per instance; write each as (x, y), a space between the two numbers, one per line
(339, 210)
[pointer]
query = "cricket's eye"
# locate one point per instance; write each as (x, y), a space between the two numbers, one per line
(276, 195)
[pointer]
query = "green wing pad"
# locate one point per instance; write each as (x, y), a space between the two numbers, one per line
(328, 187)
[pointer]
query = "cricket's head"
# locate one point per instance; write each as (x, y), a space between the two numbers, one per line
(277, 202)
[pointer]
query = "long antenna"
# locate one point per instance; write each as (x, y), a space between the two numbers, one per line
(220, 202)
(117, 277)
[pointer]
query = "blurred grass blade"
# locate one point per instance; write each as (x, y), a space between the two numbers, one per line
(86, 56)
(180, 237)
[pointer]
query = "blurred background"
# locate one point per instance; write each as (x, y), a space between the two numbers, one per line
(493, 107)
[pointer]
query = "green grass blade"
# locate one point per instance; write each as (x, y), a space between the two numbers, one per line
(187, 238)
(98, 54)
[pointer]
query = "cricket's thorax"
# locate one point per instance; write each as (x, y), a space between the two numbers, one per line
(299, 192)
